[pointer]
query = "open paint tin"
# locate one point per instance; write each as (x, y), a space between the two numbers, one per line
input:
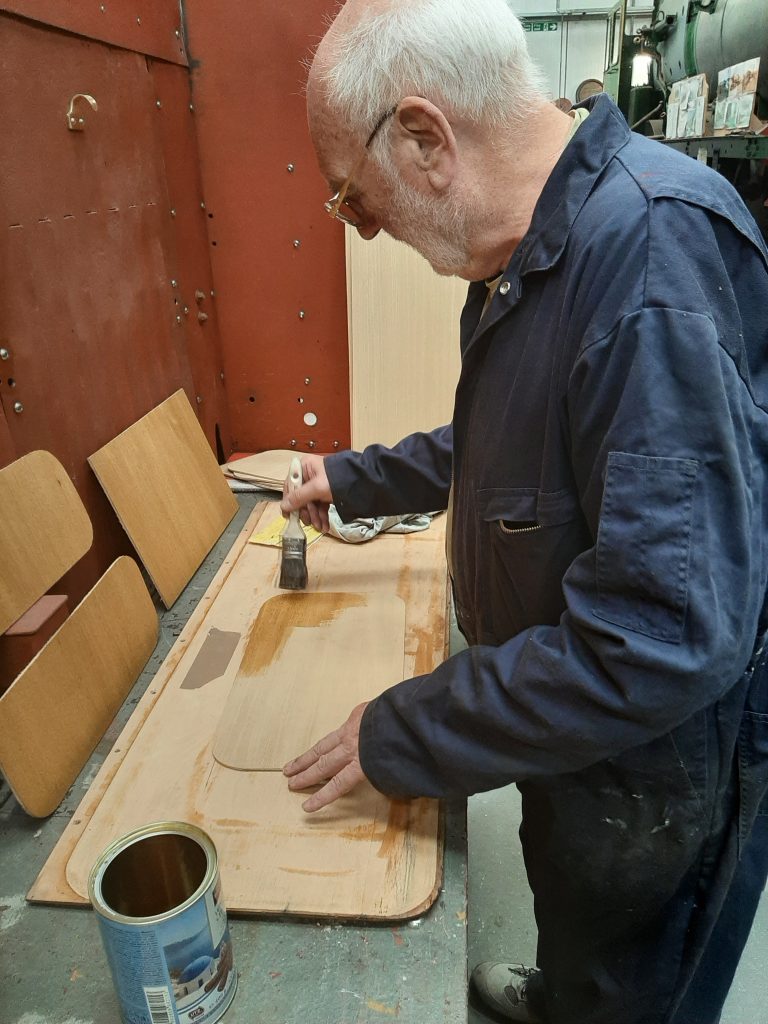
(157, 897)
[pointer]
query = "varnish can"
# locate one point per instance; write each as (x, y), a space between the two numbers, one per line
(157, 897)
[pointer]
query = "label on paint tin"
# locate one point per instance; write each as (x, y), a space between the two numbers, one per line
(178, 971)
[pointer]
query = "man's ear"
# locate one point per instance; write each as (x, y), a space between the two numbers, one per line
(424, 146)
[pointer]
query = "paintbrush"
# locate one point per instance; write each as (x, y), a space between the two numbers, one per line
(293, 564)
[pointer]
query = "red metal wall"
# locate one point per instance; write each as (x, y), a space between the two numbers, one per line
(264, 193)
(104, 246)
(178, 240)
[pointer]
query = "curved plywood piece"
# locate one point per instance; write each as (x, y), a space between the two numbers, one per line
(45, 530)
(309, 659)
(365, 857)
(168, 492)
(60, 706)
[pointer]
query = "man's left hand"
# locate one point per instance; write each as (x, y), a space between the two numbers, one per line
(335, 760)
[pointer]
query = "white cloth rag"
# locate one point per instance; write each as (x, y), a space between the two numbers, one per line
(360, 530)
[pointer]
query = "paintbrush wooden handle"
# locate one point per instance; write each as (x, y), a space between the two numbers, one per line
(295, 480)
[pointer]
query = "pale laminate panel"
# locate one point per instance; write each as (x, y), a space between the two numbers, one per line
(403, 341)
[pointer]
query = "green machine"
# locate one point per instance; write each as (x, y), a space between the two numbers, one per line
(692, 37)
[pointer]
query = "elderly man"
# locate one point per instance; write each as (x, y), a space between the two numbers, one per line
(606, 467)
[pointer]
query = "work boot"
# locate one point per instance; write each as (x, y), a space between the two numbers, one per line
(502, 988)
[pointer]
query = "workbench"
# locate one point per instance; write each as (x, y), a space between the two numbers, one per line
(53, 969)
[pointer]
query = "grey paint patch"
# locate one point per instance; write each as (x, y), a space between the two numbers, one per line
(212, 659)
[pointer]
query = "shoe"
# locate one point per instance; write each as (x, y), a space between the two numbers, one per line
(502, 988)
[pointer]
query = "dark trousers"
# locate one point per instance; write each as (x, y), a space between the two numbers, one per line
(647, 869)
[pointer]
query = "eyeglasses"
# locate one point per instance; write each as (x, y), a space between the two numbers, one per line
(335, 203)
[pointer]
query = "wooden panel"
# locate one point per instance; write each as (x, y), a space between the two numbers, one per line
(308, 660)
(146, 26)
(365, 857)
(403, 341)
(168, 492)
(250, 112)
(60, 706)
(45, 530)
(51, 885)
(269, 469)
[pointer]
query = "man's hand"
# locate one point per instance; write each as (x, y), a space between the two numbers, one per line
(334, 760)
(313, 497)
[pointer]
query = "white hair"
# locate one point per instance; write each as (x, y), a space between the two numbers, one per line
(469, 57)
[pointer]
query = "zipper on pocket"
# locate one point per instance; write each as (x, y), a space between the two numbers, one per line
(510, 530)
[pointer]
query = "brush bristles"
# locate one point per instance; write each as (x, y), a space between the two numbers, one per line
(293, 569)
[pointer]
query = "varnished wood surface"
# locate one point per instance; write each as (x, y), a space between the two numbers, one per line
(308, 660)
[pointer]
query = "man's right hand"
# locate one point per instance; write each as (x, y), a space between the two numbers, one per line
(313, 497)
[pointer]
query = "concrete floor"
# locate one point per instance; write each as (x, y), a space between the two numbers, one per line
(500, 918)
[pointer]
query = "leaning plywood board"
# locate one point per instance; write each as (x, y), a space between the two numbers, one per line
(60, 706)
(45, 530)
(309, 659)
(367, 857)
(163, 482)
(404, 355)
(268, 469)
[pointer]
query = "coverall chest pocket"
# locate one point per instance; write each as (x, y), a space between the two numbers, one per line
(643, 543)
(529, 539)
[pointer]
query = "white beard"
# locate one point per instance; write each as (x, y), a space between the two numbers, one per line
(438, 229)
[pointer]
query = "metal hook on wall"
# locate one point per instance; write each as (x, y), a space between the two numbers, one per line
(75, 121)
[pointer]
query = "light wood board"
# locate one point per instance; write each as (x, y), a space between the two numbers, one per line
(168, 492)
(45, 530)
(366, 857)
(404, 356)
(60, 706)
(309, 659)
(268, 469)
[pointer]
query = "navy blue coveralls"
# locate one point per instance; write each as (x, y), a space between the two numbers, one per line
(609, 456)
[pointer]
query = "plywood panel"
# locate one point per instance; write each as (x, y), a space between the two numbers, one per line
(168, 492)
(403, 341)
(268, 469)
(45, 530)
(60, 706)
(364, 857)
(308, 660)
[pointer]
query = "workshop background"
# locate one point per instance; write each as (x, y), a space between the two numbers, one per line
(163, 229)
